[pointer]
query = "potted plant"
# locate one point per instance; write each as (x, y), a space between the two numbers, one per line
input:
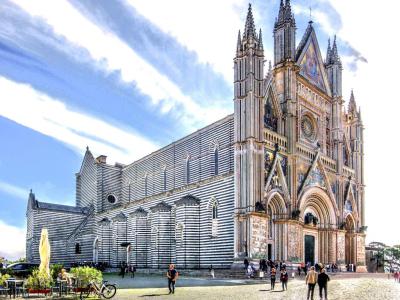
(84, 275)
(39, 283)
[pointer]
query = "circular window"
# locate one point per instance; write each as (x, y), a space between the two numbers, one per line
(308, 127)
(111, 199)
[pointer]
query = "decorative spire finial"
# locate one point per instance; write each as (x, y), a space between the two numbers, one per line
(239, 42)
(260, 42)
(249, 29)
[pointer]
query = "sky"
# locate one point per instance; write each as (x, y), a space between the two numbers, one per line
(126, 77)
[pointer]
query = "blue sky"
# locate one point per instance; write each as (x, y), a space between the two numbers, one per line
(128, 76)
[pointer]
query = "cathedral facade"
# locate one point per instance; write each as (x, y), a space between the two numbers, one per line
(281, 178)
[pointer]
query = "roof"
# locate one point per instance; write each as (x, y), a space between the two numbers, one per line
(60, 207)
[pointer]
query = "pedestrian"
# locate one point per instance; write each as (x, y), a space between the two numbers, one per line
(122, 270)
(299, 270)
(323, 279)
(172, 276)
(132, 270)
(311, 280)
(284, 279)
(246, 263)
(212, 274)
(396, 276)
(273, 278)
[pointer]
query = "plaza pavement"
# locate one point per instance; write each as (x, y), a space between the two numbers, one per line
(345, 286)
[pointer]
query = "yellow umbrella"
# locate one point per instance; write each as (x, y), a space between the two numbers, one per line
(44, 251)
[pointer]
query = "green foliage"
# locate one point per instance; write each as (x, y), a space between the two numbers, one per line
(55, 270)
(84, 275)
(39, 280)
(3, 279)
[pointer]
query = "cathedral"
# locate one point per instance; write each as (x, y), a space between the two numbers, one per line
(281, 178)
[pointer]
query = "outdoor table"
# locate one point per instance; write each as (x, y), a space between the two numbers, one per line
(12, 285)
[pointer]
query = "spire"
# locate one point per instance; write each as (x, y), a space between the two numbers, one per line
(328, 52)
(239, 43)
(335, 56)
(260, 42)
(281, 14)
(249, 29)
(288, 10)
(352, 104)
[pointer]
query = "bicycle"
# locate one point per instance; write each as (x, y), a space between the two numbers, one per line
(106, 290)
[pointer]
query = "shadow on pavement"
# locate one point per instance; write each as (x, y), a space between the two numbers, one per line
(154, 295)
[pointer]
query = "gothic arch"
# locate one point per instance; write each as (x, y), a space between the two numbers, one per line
(271, 96)
(314, 199)
(276, 202)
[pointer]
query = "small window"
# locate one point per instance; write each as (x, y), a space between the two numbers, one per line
(187, 171)
(77, 248)
(215, 211)
(165, 179)
(145, 186)
(216, 162)
(111, 199)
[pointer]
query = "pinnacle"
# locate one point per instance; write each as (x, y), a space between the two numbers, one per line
(260, 42)
(249, 29)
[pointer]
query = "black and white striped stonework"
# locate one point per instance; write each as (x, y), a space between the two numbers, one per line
(161, 213)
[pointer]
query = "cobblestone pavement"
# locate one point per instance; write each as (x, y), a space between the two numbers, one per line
(363, 288)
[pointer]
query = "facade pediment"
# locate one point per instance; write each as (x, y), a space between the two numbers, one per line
(310, 61)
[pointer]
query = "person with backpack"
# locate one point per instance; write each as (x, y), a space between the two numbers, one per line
(311, 280)
(284, 279)
(323, 279)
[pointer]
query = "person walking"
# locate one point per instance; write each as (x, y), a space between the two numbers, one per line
(311, 280)
(323, 279)
(132, 270)
(172, 276)
(284, 279)
(212, 273)
(273, 278)
(123, 269)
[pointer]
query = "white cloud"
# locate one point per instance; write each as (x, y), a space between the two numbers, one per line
(31, 108)
(12, 239)
(14, 190)
(372, 31)
(112, 54)
(207, 27)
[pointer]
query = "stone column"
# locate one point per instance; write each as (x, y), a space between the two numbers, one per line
(360, 253)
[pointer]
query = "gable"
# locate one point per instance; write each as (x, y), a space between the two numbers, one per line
(317, 176)
(276, 178)
(311, 63)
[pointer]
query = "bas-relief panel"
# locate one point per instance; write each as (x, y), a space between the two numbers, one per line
(341, 247)
(294, 240)
(309, 67)
(360, 249)
(259, 235)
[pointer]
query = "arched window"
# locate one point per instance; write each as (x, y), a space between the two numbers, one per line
(77, 248)
(145, 185)
(216, 161)
(187, 170)
(215, 211)
(165, 179)
(213, 206)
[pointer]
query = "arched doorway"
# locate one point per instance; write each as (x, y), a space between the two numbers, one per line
(350, 240)
(318, 212)
(276, 211)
